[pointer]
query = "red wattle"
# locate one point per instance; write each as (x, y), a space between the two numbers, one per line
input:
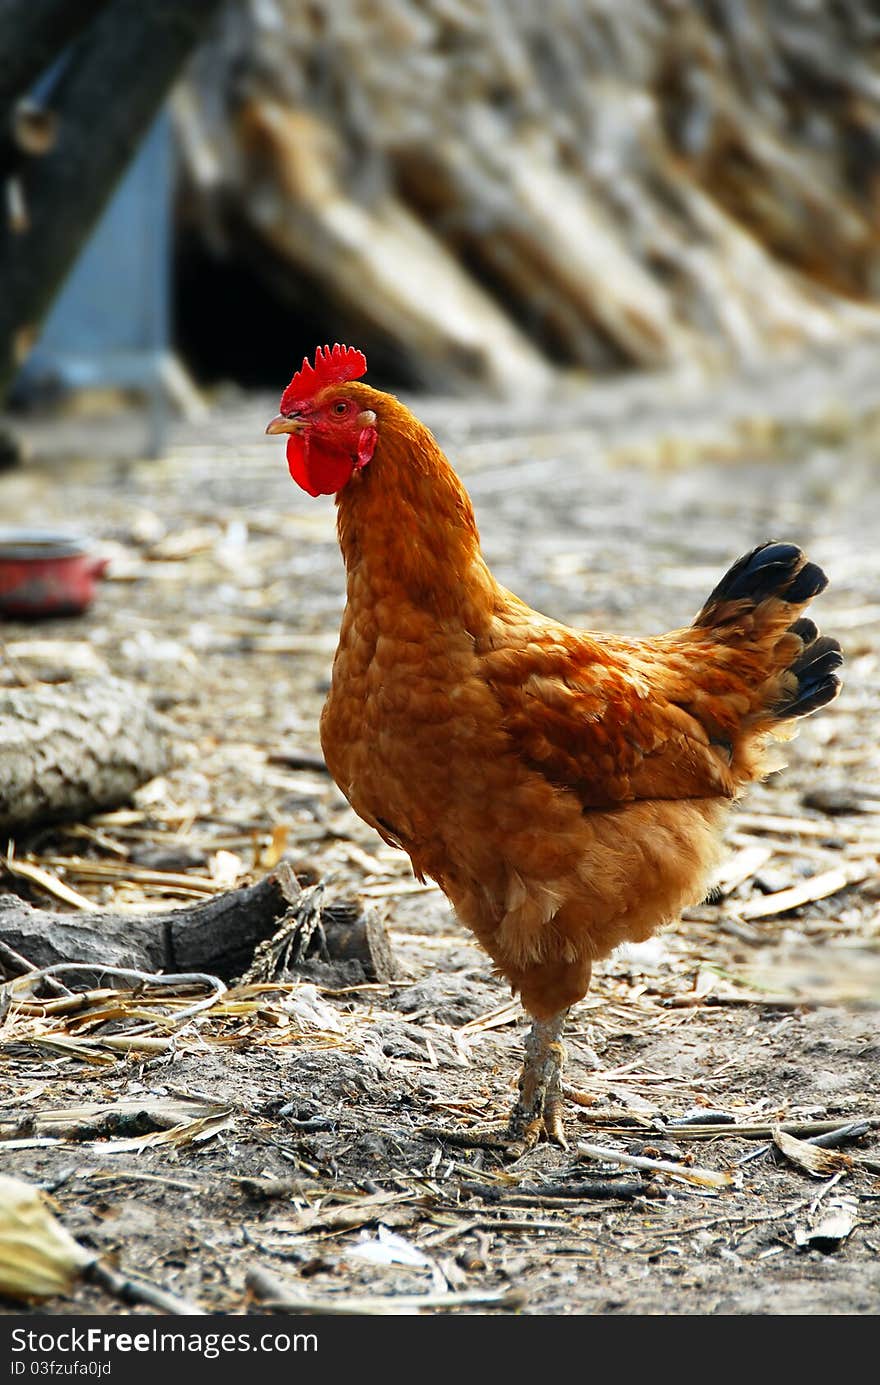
(315, 470)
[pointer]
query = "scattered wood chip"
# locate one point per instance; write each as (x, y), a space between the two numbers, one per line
(294, 758)
(73, 656)
(268, 1189)
(130, 1116)
(348, 1217)
(813, 1159)
(760, 1130)
(129, 1290)
(45, 880)
(843, 798)
(508, 1013)
(178, 1135)
(286, 1297)
(817, 887)
(741, 867)
(786, 827)
(830, 1228)
(702, 1178)
(191, 1132)
(552, 1194)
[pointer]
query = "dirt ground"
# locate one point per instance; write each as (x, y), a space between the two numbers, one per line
(618, 509)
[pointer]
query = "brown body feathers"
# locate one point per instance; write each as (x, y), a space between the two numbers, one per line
(565, 789)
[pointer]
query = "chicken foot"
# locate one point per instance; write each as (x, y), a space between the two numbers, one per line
(539, 1106)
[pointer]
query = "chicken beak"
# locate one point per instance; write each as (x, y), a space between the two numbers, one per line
(282, 424)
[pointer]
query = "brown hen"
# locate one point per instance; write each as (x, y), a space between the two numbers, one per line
(566, 789)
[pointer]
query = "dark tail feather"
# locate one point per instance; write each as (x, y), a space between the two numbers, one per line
(807, 629)
(771, 570)
(780, 575)
(817, 682)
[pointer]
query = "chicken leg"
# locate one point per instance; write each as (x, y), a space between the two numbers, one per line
(538, 1108)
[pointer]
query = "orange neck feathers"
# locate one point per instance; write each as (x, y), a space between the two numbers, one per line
(406, 524)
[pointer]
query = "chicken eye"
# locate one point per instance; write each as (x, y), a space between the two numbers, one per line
(340, 407)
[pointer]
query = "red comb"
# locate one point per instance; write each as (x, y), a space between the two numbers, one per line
(332, 367)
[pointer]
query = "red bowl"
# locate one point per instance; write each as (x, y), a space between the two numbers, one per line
(46, 574)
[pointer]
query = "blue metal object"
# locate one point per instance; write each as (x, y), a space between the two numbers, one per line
(110, 325)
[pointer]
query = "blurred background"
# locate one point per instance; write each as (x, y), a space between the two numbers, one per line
(623, 257)
(488, 196)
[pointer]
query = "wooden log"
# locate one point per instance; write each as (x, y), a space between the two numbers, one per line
(70, 749)
(218, 935)
(797, 204)
(105, 100)
(548, 243)
(353, 934)
(318, 931)
(382, 268)
(630, 184)
(43, 938)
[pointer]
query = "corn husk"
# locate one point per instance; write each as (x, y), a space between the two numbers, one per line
(38, 1258)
